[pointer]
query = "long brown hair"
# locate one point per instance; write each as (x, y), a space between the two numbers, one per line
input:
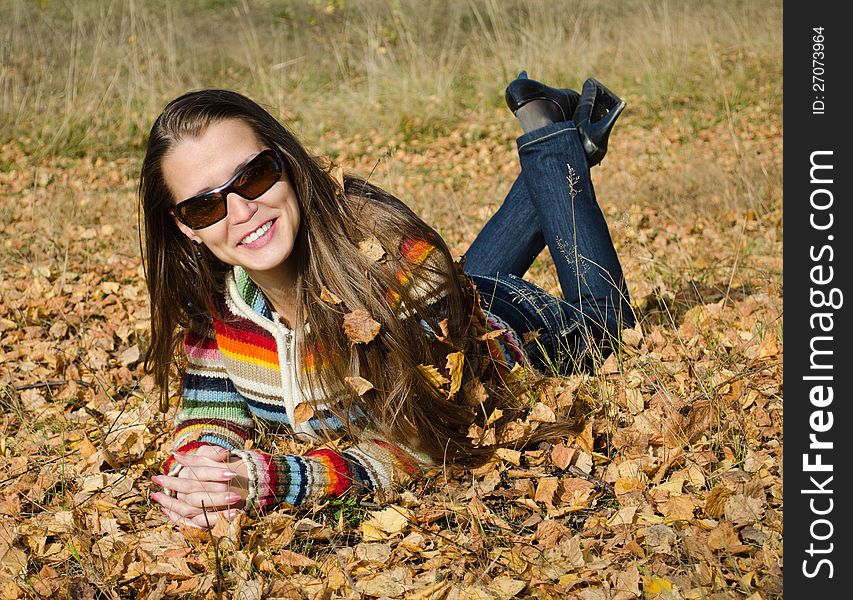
(404, 404)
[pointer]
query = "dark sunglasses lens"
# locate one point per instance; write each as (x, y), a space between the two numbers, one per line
(260, 175)
(203, 211)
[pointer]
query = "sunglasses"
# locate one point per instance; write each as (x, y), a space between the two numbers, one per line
(250, 182)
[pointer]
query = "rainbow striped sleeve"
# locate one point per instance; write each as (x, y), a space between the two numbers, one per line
(212, 411)
(370, 465)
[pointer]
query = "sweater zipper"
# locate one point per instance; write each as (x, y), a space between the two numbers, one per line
(287, 369)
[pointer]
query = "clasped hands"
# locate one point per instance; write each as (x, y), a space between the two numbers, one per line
(210, 486)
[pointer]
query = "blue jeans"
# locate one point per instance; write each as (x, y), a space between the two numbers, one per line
(553, 203)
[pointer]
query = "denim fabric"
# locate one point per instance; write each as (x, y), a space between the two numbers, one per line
(552, 203)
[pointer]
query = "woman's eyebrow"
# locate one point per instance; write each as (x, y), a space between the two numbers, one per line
(233, 173)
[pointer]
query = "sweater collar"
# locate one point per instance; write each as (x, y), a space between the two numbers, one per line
(251, 295)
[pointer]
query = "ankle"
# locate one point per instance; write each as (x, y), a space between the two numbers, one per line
(538, 113)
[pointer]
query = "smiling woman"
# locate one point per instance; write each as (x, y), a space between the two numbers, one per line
(326, 307)
(259, 236)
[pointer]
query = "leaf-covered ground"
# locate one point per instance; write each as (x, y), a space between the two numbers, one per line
(673, 490)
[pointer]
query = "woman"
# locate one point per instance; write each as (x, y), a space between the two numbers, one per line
(322, 306)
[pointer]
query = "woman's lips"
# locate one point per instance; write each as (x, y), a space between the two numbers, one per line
(260, 236)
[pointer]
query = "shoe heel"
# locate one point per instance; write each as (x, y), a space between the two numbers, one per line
(595, 117)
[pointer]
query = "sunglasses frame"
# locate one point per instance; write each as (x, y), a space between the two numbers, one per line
(223, 190)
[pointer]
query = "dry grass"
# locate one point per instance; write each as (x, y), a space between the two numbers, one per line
(691, 189)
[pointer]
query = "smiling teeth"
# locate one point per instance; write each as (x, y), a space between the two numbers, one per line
(256, 233)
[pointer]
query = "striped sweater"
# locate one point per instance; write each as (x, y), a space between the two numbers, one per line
(243, 373)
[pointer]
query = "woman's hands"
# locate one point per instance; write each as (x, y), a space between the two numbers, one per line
(211, 485)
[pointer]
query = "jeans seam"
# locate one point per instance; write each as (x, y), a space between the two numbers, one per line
(545, 137)
(553, 321)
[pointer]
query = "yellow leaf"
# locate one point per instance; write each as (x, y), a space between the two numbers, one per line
(546, 489)
(433, 375)
(510, 456)
(371, 533)
(656, 585)
(329, 297)
(455, 362)
(496, 414)
(390, 520)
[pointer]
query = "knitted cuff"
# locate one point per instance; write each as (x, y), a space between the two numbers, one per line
(257, 466)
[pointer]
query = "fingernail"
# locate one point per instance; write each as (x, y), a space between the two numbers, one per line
(228, 474)
(156, 479)
(232, 498)
(234, 512)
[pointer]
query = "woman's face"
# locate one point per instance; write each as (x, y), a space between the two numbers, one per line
(257, 235)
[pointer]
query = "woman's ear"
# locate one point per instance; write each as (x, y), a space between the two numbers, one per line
(187, 231)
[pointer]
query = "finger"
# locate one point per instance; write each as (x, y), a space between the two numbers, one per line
(175, 505)
(213, 518)
(180, 506)
(216, 453)
(179, 520)
(205, 500)
(190, 486)
(205, 468)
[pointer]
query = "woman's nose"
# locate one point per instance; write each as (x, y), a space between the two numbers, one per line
(239, 209)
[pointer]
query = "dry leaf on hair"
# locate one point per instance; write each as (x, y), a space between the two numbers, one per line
(329, 297)
(336, 172)
(433, 375)
(360, 327)
(455, 364)
(359, 384)
(371, 248)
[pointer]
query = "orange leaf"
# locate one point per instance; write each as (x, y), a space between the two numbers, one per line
(302, 412)
(360, 326)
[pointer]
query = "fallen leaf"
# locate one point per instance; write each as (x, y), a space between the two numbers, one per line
(543, 413)
(509, 455)
(373, 552)
(336, 172)
(561, 455)
(505, 588)
(392, 519)
(656, 585)
(302, 413)
(383, 585)
(546, 489)
(130, 356)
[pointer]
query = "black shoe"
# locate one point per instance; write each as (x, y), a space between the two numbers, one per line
(523, 90)
(595, 116)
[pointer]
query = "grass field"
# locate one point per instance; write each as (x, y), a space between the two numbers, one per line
(674, 490)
